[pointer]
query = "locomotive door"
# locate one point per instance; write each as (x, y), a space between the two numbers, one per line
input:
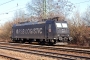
(48, 30)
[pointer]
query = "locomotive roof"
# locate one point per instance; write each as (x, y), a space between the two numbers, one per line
(41, 22)
(29, 23)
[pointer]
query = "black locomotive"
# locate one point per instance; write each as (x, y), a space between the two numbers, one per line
(49, 31)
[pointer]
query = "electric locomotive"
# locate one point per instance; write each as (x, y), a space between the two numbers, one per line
(48, 31)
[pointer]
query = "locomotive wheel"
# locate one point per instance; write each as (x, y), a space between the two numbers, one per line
(29, 42)
(51, 42)
(41, 42)
(14, 40)
(22, 41)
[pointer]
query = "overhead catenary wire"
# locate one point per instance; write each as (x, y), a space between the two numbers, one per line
(83, 2)
(12, 11)
(6, 2)
(6, 12)
(16, 9)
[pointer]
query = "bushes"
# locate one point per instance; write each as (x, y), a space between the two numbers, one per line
(79, 32)
(6, 29)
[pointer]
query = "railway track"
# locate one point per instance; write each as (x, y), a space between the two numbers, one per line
(52, 54)
(57, 48)
(37, 52)
(68, 49)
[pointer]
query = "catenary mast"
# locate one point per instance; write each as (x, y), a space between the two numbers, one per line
(44, 9)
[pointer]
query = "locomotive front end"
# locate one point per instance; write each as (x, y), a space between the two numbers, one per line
(63, 33)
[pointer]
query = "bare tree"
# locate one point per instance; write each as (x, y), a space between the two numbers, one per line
(20, 16)
(86, 16)
(53, 8)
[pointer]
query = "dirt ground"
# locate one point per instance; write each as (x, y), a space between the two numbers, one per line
(1, 58)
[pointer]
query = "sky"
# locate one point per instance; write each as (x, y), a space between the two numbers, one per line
(81, 5)
(8, 7)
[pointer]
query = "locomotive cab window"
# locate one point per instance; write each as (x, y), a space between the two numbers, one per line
(64, 25)
(58, 25)
(61, 25)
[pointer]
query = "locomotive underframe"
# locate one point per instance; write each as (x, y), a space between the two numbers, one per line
(42, 41)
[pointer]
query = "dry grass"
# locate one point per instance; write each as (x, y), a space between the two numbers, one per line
(2, 58)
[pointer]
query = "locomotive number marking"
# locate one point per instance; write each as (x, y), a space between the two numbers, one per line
(29, 31)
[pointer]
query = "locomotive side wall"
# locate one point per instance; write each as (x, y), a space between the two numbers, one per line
(36, 31)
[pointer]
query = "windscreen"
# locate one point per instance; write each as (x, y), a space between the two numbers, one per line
(58, 25)
(64, 25)
(61, 25)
